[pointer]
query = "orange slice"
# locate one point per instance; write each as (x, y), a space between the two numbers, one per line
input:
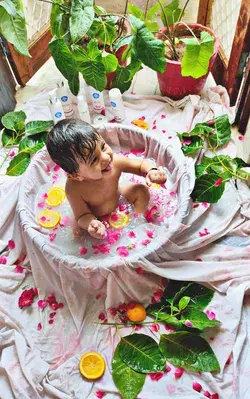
(142, 124)
(49, 219)
(56, 195)
(119, 220)
(92, 365)
(137, 313)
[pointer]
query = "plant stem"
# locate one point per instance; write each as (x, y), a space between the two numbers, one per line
(124, 324)
(146, 9)
(175, 55)
(169, 37)
(6, 157)
(190, 30)
(183, 10)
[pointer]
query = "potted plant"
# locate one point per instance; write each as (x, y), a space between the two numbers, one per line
(190, 50)
(88, 40)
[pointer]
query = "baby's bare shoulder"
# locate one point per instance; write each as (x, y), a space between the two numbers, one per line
(71, 188)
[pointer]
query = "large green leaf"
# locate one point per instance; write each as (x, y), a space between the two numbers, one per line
(196, 143)
(56, 16)
(197, 55)
(188, 350)
(9, 6)
(90, 64)
(222, 131)
(99, 10)
(198, 319)
(14, 120)
(206, 190)
(240, 163)
(110, 62)
(13, 28)
(127, 381)
(66, 63)
(8, 137)
(35, 127)
(126, 40)
(32, 144)
(222, 165)
(141, 353)
(122, 80)
(148, 49)
(200, 296)
(107, 31)
(18, 164)
(151, 18)
(82, 17)
(171, 13)
(135, 11)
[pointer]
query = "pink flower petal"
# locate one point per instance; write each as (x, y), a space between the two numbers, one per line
(131, 234)
(122, 251)
(113, 311)
(154, 127)
(54, 305)
(98, 296)
(211, 123)
(12, 153)
(102, 316)
(142, 118)
(154, 327)
(197, 386)
(39, 326)
(145, 242)
(198, 260)
(207, 394)
(163, 131)
(41, 204)
(45, 196)
(19, 269)
(56, 168)
(156, 376)
(131, 305)
(205, 204)
(114, 217)
(169, 329)
(170, 137)
(11, 244)
(52, 315)
(3, 260)
(83, 250)
(43, 219)
(178, 372)
(163, 116)
(64, 221)
(241, 138)
(172, 193)
(168, 369)
(60, 305)
(100, 394)
(210, 315)
(218, 182)
(214, 396)
(139, 270)
(47, 170)
(170, 389)
(122, 308)
(188, 323)
(42, 304)
(51, 321)
(196, 206)
(52, 237)
(150, 233)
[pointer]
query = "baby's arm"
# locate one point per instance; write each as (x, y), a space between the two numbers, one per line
(83, 215)
(141, 167)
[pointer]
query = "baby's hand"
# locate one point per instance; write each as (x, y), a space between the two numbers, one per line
(156, 176)
(96, 229)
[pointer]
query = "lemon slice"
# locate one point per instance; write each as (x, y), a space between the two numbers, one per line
(56, 195)
(155, 185)
(142, 124)
(119, 220)
(92, 365)
(49, 219)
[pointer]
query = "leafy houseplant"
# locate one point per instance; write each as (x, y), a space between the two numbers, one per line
(136, 355)
(212, 173)
(29, 137)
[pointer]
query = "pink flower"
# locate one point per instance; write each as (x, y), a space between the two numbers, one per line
(139, 270)
(131, 305)
(210, 315)
(52, 315)
(197, 386)
(218, 182)
(45, 196)
(154, 327)
(122, 308)
(241, 138)
(19, 269)
(51, 299)
(163, 116)
(122, 207)
(168, 369)
(114, 217)
(12, 153)
(206, 233)
(169, 329)
(131, 234)
(145, 242)
(150, 214)
(27, 297)
(188, 323)
(178, 372)
(150, 233)
(3, 260)
(122, 251)
(41, 204)
(51, 321)
(102, 316)
(113, 236)
(56, 168)
(113, 311)
(207, 394)
(42, 304)
(100, 394)
(156, 376)
(83, 250)
(54, 305)
(39, 326)
(52, 237)
(11, 244)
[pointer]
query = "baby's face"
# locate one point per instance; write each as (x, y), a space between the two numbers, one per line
(99, 164)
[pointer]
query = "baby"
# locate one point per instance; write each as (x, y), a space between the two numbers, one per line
(93, 173)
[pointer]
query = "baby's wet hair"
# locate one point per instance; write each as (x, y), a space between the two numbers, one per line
(71, 141)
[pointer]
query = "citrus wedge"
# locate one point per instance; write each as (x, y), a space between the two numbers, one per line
(119, 220)
(92, 365)
(56, 195)
(137, 313)
(155, 185)
(49, 219)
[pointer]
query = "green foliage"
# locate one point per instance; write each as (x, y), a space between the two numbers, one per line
(13, 134)
(171, 13)
(13, 25)
(207, 190)
(197, 55)
(81, 18)
(191, 145)
(127, 381)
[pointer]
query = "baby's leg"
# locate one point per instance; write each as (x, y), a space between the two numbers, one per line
(136, 194)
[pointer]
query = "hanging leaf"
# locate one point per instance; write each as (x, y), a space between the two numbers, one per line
(171, 13)
(126, 40)
(206, 189)
(222, 131)
(192, 145)
(148, 49)
(56, 17)
(9, 7)
(200, 296)
(197, 55)
(65, 62)
(82, 17)
(133, 67)
(122, 79)
(13, 28)
(14, 120)
(90, 64)
(31, 144)
(110, 62)
(199, 129)
(198, 319)
(183, 302)
(151, 18)
(222, 165)
(99, 10)
(240, 163)
(189, 351)
(8, 137)
(135, 11)
(38, 126)
(141, 353)
(18, 165)
(107, 31)
(128, 382)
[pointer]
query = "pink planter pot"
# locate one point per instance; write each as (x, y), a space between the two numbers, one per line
(175, 86)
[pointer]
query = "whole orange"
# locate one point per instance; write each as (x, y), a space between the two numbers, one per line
(137, 313)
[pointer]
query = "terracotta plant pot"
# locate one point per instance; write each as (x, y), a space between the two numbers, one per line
(172, 83)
